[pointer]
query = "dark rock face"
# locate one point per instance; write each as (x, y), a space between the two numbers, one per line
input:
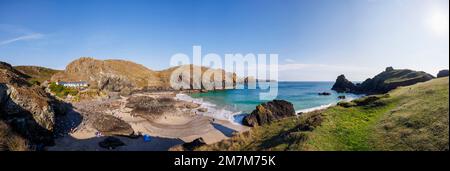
(268, 112)
(388, 69)
(343, 85)
(443, 73)
(324, 94)
(111, 143)
(28, 109)
(194, 144)
(114, 83)
(382, 83)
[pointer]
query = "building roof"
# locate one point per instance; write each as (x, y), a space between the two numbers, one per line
(79, 82)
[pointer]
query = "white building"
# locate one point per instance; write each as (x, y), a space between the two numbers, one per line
(79, 84)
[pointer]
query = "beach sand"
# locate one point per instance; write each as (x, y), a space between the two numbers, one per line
(169, 130)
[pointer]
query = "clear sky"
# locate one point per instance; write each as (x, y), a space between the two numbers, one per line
(315, 39)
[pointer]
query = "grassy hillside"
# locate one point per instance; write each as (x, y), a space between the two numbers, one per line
(407, 118)
(39, 74)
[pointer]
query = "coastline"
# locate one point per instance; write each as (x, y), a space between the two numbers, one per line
(167, 131)
(205, 120)
(322, 107)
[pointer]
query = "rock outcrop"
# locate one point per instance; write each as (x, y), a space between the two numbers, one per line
(343, 85)
(443, 73)
(324, 94)
(268, 112)
(109, 125)
(27, 108)
(388, 80)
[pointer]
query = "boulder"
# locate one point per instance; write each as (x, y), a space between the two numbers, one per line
(202, 109)
(324, 94)
(343, 85)
(341, 97)
(109, 125)
(443, 73)
(268, 112)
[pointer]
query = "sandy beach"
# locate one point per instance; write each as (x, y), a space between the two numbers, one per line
(185, 122)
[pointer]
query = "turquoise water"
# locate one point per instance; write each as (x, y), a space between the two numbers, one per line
(303, 95)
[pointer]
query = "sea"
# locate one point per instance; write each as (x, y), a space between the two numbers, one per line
(235, 104)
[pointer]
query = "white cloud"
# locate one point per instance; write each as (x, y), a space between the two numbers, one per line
(289, 60)
(301, 66)
(31, 36)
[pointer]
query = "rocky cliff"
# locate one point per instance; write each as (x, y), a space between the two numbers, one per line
(182, 73)
(385, 81)
(26, 108)
(343, 85)
(120, 75)
(110, 75)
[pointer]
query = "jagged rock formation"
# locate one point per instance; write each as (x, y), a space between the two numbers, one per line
(268, 112)
(343, 85)
(388, 80)
(443, 73)
(28, 109)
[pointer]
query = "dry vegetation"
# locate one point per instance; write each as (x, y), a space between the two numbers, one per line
(37, 74)
(10, 141)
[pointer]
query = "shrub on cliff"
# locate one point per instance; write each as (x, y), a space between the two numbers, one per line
(62, 91)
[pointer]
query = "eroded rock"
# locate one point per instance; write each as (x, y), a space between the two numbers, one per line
(268, 112)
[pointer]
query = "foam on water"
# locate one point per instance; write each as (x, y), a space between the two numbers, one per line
(321, 106)
(213, 110)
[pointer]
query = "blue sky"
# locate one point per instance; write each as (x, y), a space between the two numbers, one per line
(315, 39)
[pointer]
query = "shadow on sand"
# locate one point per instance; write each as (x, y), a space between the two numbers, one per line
(69, 143)
(225, 130)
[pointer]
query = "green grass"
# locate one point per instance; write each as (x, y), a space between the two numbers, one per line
(62, 91)
(347, 128)
(408, 118)
(420, 120)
